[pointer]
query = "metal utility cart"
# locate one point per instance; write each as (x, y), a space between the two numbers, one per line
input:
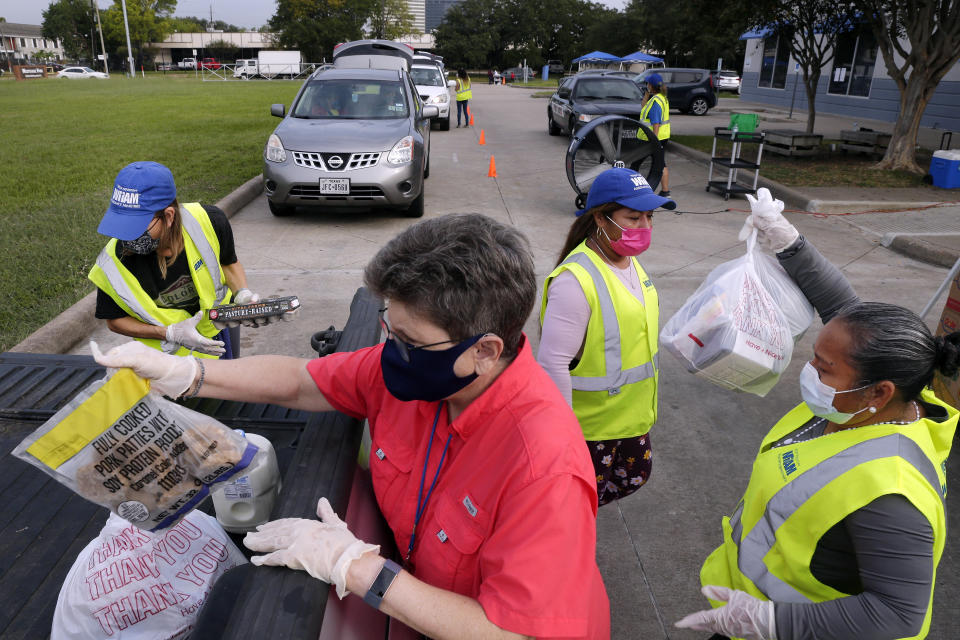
(734, 163)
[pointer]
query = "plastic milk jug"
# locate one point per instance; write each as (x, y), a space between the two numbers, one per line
(247, 500)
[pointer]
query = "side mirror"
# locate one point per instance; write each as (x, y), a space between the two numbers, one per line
(278, 110)
(451, 83)
(430, 112)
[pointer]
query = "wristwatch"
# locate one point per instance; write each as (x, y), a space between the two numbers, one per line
(384, 579)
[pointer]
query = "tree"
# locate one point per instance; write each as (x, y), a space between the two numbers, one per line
(390, 20)
(315, 27)
(471, 35)
(72, 23)
(148, 21)
(222, 50)
(812, 28)
(920, 43)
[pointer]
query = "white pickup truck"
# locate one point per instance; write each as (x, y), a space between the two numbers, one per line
(187, 63)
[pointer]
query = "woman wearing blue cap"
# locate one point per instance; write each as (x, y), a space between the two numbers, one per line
(600, 321)
(166, 265)
(655, 113)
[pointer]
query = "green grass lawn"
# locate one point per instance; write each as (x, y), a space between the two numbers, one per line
(64, 142)
(826, 169)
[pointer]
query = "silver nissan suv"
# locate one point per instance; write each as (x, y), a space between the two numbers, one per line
(356, 135)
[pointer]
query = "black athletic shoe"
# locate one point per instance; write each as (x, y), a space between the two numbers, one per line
(664, 194)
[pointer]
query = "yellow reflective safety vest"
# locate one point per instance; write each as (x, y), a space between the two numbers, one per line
(203, 255)
(615, 382)
(664, 132)
(463, 90)
(798, 492)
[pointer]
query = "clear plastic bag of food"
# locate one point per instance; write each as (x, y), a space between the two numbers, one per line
(739, 327)
(147, 459)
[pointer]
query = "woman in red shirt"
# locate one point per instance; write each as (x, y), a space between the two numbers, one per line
(478, 464)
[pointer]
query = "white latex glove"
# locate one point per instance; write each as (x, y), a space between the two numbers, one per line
(168, 375)
(323, 548)
(742, 617)
(773, 230)
(185, 334)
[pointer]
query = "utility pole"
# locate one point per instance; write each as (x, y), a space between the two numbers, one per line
(106, 69)
(126, 26)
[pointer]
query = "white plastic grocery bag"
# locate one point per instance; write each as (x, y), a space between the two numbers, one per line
(739, 327)
(131, 583)
(147, 459)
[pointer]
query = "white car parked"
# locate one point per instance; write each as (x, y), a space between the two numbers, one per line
(81, 72)
(433, 89)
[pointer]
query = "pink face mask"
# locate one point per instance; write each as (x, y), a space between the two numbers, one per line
(632, 242)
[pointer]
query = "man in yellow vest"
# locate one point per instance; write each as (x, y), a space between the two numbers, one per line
(166, 265)
(655, 114)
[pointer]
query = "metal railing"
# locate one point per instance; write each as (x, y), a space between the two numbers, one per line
(273, 71)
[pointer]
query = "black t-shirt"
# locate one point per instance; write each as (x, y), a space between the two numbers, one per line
(176, 291)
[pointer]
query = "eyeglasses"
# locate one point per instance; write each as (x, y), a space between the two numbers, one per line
(404, 347)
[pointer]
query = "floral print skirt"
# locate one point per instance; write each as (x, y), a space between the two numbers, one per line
(622, 465)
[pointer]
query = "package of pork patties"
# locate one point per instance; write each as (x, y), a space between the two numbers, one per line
(147, 459)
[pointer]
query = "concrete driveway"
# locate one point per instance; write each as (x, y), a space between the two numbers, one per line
(651, 545)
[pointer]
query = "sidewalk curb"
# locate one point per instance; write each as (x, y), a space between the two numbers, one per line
(76, 322)
(922, 251)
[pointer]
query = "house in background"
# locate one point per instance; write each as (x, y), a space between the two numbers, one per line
(20, 43)
(855, 83)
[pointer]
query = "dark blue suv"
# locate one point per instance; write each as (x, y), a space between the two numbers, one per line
(688, 90)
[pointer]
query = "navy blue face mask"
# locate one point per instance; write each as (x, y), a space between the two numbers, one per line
(423, 375)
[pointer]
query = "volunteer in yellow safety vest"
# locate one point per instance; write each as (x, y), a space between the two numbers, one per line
(166, 265)
(464, 94)
(843, 522)
(600, 321)
(655, 114)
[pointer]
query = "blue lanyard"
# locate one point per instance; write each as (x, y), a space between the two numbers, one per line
(421, 501)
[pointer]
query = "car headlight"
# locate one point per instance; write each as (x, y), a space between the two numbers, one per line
(274, 151)
(440, 98)
(586, 117)
(402, 152)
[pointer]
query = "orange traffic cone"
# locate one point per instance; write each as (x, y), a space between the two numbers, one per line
(471, 117)
(492, 173)
(483, 140)
(503, 80)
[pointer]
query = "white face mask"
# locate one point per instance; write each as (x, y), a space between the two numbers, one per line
(819, 396)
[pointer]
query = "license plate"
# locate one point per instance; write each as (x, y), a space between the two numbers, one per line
(335, 186)
(628, 133)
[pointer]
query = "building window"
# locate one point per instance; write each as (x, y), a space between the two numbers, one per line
(23, 42)
(773, 67)
(853, 63)
(34, 43)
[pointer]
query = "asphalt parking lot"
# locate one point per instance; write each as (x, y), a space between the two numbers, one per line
(651, 545)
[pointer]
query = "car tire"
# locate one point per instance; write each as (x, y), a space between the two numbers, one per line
(280, 210)
(571, 125)
(415, 210)
(552, 127)
(699, 106)
(426, 169)
(445, 125)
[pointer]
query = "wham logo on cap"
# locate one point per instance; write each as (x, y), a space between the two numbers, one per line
(639, 182)
(124, 197)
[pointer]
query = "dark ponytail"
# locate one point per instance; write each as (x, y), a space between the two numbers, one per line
(583, 226)
(947, 360)
(889, 342)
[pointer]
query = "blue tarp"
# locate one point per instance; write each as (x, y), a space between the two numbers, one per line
(640, 56)
(597, 55)
(763, 32)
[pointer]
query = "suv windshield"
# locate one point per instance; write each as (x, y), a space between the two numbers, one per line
(607, 89)
(352, 100)
(426, 77)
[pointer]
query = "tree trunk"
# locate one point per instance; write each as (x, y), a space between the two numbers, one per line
(901, 152)
(810, 86)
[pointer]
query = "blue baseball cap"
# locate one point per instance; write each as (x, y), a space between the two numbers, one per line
(140, 190)
(654, 79)
(625, 187)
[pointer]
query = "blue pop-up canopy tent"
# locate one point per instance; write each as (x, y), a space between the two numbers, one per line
(597, 56)
(640, 56)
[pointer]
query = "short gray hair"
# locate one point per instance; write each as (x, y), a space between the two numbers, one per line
(466, 273)
(889, 342)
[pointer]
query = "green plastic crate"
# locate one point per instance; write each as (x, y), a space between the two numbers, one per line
(745, 122)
